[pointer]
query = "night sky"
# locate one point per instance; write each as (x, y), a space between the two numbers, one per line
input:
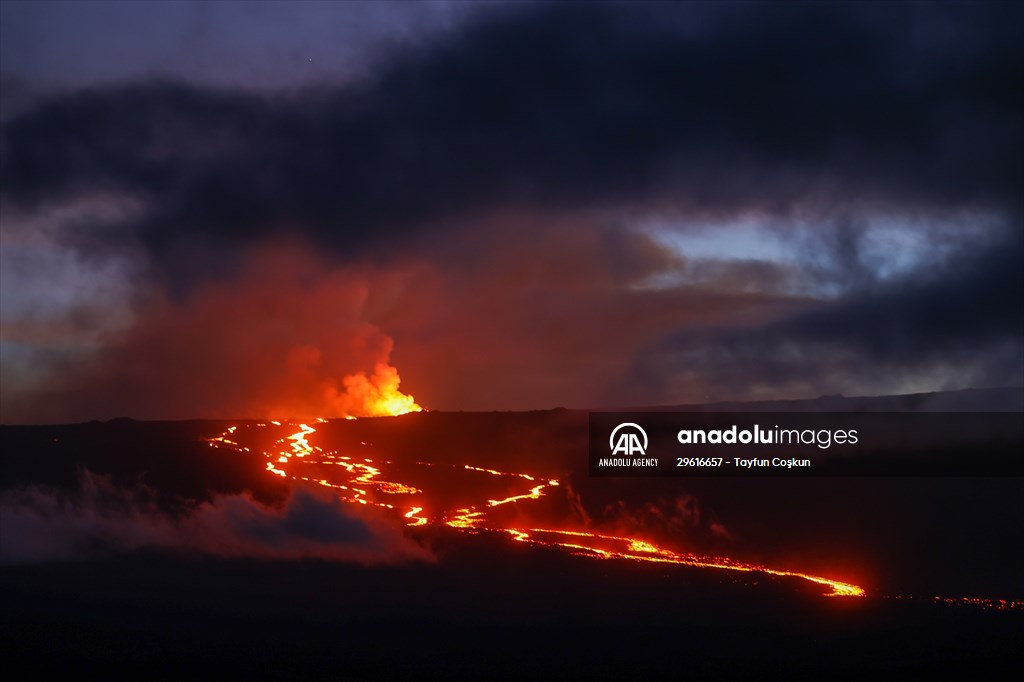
(223, 209)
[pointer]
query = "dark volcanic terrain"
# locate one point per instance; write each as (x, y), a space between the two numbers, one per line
(477, 604)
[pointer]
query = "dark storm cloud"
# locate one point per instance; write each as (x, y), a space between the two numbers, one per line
(713, 108)
(483, 163)
(961, 317)
(932, 311)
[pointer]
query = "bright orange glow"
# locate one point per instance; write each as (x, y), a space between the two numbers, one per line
(641, 546)
(616, 547)
(300, 446)
(465, 518)
(498, 473)
(358, 480)
(416, 520)
(534, 493)
(375, 395)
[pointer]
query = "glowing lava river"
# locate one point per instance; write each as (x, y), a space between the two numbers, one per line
(368, 481)
(420, 494)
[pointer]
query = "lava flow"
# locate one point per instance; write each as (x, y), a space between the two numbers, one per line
(364, 480)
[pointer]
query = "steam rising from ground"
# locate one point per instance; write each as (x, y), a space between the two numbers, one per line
(283, 337)
(680, 516)
(39, 524)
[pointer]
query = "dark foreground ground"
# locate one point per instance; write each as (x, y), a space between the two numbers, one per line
(482, 613)
(489, 608)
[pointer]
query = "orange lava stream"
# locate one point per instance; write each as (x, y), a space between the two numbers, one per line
(496, 473)
(534, 494)
(416, 520)
(300, 446)
(464, 518)
(641, 550)
(360, 483)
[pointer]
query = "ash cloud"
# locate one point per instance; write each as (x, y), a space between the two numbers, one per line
(712, 108)
(287, 338)
(42, 525)
(516, 137)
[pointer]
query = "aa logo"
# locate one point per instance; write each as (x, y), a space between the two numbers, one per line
(628, 439)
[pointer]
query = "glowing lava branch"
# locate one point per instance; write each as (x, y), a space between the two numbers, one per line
(535, 493)
(223, 439)
(416, 520)
(640, 550)
(465, 518)
(467, 467)
(300, 446)
(360, 483)
(357, 480)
